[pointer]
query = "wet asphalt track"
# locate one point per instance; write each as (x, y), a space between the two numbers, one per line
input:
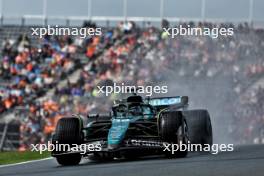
(244, 161)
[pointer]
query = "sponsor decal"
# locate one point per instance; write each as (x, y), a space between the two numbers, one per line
(165, 101)
(137, 142)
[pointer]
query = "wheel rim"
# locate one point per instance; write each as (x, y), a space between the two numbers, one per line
(180, 136)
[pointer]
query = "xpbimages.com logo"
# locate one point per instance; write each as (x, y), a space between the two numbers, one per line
(198, 31)
(122, 88)
(213, 149)
(58, 147)
(60, 31)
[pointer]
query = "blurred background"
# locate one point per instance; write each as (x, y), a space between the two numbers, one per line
(42, 80)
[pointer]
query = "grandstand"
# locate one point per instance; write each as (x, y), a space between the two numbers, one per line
(44, 79)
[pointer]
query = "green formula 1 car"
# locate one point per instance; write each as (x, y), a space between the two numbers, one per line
(135, 127)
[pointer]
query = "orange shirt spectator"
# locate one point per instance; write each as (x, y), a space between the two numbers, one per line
(90, 51)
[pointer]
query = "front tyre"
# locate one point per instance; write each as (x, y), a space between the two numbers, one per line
(68, 131)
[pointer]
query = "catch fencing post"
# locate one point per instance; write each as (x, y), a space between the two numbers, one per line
(89, 9)
(44, 11)
(250, 12)
(203, 6)
(125, 10)
(161, 11)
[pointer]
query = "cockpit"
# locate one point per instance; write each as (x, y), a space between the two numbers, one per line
(133, 110)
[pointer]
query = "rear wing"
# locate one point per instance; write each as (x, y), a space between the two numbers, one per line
(163, 102)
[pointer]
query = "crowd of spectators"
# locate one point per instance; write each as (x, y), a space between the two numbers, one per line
(132, 55)
(249, 115)
(27, 71)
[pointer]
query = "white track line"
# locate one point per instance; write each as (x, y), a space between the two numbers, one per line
(25, 162)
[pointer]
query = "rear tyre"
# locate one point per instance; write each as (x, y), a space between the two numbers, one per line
(200, 127)
(173, 129)
(68, 131)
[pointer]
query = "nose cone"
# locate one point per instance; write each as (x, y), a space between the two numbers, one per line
(117, 133)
